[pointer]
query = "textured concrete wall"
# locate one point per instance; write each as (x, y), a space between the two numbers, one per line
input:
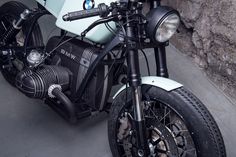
(208, 34)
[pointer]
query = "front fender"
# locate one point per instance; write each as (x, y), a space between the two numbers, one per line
(160, 82)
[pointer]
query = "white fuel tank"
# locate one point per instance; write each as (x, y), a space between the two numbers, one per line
(58, 8)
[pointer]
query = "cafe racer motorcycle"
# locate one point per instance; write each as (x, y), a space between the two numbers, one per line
(99, 47)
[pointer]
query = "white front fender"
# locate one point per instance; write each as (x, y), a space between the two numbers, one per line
(159, 82)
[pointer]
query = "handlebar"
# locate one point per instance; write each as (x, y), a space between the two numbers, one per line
(102, 10)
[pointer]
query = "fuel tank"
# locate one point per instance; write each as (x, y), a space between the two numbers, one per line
(58, 8)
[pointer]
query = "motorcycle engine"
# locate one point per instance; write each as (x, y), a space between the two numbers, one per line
(67, 67)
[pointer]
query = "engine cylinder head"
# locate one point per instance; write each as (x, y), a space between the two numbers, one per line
(35, 84)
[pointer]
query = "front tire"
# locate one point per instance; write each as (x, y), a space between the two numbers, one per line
(177, 124)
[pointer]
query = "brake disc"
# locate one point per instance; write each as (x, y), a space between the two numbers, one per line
(161, 141)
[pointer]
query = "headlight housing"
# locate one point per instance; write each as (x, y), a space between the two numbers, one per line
(162, 23)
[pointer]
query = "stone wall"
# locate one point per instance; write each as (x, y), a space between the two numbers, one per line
(208, 34)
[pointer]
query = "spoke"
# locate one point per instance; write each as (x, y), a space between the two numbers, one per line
(171, 122)
(3, 25)
(181, 152)
(154, 113)
(165, 114)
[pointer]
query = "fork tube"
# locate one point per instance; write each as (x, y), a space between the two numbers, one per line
(161, 65)
(135, 84)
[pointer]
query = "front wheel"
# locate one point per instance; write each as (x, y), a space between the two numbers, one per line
(177, 125)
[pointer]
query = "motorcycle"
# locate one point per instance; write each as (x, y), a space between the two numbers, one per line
(98, 47)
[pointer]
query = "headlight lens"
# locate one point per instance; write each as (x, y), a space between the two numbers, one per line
(162, 23)
(167, 28)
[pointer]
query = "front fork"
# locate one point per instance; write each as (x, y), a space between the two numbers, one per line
(134, 78)
(160, 57)
(135, 83)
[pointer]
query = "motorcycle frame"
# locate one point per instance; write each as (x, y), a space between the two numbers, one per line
(159, 49)
(135, 81)
(134, 76)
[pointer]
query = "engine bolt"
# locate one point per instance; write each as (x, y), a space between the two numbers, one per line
(140, 153)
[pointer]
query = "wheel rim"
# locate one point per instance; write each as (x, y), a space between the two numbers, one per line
(166, 132)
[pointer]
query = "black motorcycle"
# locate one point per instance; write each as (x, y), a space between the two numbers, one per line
(98, 48)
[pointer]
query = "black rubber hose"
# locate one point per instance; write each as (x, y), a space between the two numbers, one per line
(69, 106)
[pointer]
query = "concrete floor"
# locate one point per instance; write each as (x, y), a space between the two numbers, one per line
(31, 129)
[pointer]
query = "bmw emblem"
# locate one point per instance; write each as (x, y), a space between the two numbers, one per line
(88, 4)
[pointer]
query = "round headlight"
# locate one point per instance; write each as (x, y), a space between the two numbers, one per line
(162, 23)
(167, 28)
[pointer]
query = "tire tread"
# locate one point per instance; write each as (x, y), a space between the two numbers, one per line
(207, 118)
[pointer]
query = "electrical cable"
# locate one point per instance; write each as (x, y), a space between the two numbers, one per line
(110, 29)
(147, 63)
(48, 54)
(126, 41)
(48, 36)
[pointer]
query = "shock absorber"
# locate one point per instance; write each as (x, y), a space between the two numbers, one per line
(16, 26)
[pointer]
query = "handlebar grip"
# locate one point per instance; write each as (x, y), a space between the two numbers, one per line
(81, 14)
(102, 10)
